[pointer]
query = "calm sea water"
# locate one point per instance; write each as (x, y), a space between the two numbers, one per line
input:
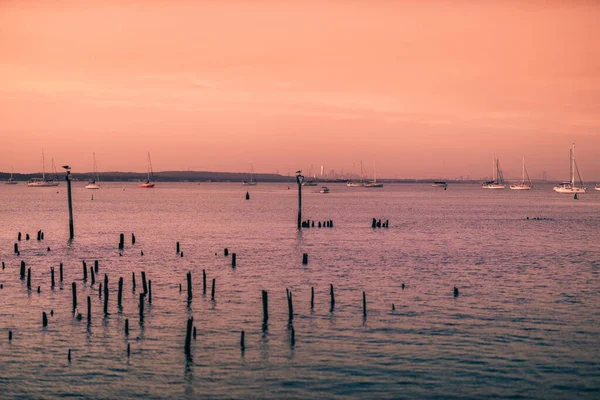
(526, 323)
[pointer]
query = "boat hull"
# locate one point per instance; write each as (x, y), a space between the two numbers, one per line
(15, 182)
(147, 185)
(562, 189)
(42, 184)
(520, 187)
(493, 187)
(355, 184)
(92, 186)
(248, 183)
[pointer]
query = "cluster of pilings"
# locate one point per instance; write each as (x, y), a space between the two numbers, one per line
(378, 224)
(317, 224)
(146, 297)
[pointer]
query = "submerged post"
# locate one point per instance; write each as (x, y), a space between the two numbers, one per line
(212, 292)
(74, 289)
(105, 294)
(188, 335)
(204, 281)
(299, 180)
(332, 296)
(120, 293)
(68, 178)
(189, 286)
(265, 303)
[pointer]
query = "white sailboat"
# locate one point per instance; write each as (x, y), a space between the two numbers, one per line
(11, 180)
(523, 185)
(597, 187)
(43, 182)
(571, 187)
(251, 182)
(374, 182)
(359, 183)
(497, 181)
(94, 183)
(150, 181)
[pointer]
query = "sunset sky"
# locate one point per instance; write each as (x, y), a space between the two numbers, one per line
(431, 88)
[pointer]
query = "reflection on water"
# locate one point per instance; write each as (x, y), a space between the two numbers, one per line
(524, 325)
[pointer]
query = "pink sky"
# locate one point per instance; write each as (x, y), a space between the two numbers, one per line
(433, 89)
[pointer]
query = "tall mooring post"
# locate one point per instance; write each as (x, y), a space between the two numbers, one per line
(300, 180)
(68, 178)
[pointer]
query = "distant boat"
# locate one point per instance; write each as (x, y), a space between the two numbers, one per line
(597, 187)
(251, 182)
(442, 184)
(570, 187)
(150, 181)
(324, 190)
(359, 183)
(11, 180)
(93, 184)
(43, 182)
(497, 181)
(523, 185)
(374, 182)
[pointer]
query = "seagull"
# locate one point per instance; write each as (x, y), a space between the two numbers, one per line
(66, 167)
(299, 171)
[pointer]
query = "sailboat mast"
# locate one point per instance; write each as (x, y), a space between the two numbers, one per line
(43, 166)
(149, 166)
(573, 165)
(523, 172)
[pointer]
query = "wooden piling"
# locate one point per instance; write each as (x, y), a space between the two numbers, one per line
(312, 297)
(144, 283)
(290, 304)
(93, 276)
(74, 290)
(265, 303)
(149, 292)
(84, 271)
(226, 252)
(9, 336)
(89, 309)
(364, 304)
(141, 307)
(19, 237)
(233, 259)
(39, 235)
(100, 290)
(44, 319)
(69, 356)
(204, 281)
(28, 278)
(61, 272)
(188, 335)
(96, 266)
(27, 236)
(332, 296)
(120, 292)
(212, 292)
(189, 286)
(194, 334)
(105, 294)
(22, 272)
(132, 238)
(128, 349)
(242, 341)
(126, 326)
(304, 258)
(177, 247)
(51, 277)
(121, 241)
(39, 289)
(455, 291)
(133, 280)
(293, 337)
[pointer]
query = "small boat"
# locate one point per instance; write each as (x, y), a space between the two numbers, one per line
(571, 187)
(497, 181)
(440, 184)
(93, 184)
(251, 182)
(374, 182)
(11, 180)
(523, 185)
(324, 190)
(597, 187)
(150, 181)
(43, 182)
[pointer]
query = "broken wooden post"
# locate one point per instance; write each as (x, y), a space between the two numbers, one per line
(93, 276)
(149, 292)
(29, 278)
(233, 260)
(312, 297)
(19, 237)
(100, 290)
(332, 297)
(126, 326)
(144, 283)
(44, 319)
(177, 247)
(204, 281)
(132, 238)
(52, 277)
(288, 294)
(293, 337)
(22, 272)
(74, 290)
(120, 292)
(105, 294)
(188, 335)
(364, 304)
(89, 309)
(189, 286)
(128, 349)
(265, 302)
(194, 334)
(61, 272)
(121, 241)
(141, 307)
(69, 355)
(96, 266)
(455, 291)
(133, 280)
(304, 258)
(242, 344)
(16, 248)
(212, 292)
(84, 271)
(226, 252)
